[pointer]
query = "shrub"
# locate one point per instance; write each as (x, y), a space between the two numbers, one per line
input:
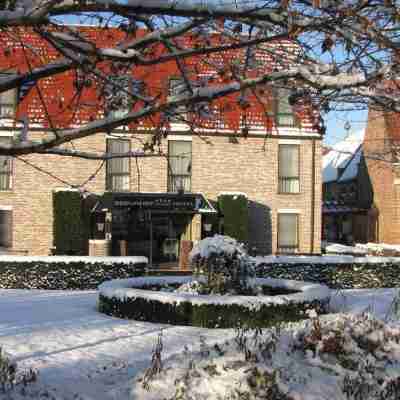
(225, 265)
(70, 223)
(234, 208)
(10, 376)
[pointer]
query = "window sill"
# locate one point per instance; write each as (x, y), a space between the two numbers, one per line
(289, 193)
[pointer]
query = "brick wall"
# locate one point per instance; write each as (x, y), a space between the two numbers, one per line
(386, 192)
(249, 166)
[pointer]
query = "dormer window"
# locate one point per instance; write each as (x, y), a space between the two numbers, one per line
(8, 102)
(284, 111)
(177, 87)
(118, 96)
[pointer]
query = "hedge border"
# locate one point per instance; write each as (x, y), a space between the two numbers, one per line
(357, 275)
(117, 298)
(65, 275)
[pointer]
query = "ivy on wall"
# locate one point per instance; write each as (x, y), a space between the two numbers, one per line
(234, 208)
(71, 223)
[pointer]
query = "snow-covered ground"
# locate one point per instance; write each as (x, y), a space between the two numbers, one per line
(77, 350)
(81, 354)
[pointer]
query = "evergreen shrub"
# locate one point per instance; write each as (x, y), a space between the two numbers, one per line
(71, 223)
(234, 208)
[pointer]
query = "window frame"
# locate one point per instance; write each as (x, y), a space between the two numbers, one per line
(113, 113)
(181, 113)
(170, 175)
(109, 176)
(277, 95)
(8, 209)
(7, 173)
(280, 191)
(14, 105)
(296, 248)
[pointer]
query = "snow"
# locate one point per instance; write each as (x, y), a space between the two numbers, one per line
(340, 156)
(336, 259)
(78, 351)
(351, 170)
(234, 194)
(217, 244)
(379, 247)
(74, 259)
(82, 354)
(320, 359)
(131, 288)
(360, 248)
(342, 249)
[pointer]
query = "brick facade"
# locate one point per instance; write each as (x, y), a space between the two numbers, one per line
(385, 182)
(249, 166)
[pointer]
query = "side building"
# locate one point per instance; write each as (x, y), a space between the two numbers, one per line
(382, 145)
(347, 212)
(158, 202)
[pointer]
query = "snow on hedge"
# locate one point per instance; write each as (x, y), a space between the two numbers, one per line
(218, 245)
(75, 259)
(122, 289)
(328, 260)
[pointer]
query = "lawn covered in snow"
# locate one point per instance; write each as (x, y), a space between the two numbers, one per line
(81, 354)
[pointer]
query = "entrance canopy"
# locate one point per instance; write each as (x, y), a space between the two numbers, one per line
(193, 203)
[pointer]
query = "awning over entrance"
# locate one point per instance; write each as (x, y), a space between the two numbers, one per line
(194, 203)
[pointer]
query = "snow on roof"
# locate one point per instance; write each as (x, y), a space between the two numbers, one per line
(341, 156)
(351, 170)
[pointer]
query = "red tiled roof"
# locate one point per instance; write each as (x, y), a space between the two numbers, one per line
(22, 49)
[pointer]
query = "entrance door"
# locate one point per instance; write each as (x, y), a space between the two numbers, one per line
(157, 236)
(167, 232)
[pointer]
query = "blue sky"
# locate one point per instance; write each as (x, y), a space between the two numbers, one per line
(336, 121)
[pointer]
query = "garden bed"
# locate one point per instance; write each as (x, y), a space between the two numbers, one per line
(126, 298)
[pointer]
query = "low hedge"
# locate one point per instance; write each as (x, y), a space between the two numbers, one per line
(367, 275)
(124, 302)
(74, 275)
(206, 315)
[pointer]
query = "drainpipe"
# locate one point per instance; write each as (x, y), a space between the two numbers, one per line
(313, 197)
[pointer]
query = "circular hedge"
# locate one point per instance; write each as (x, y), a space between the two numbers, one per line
(128, 298)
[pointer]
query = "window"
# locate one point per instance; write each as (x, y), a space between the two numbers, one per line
(180, 165)
(8, 100)
(284, 111)
(118, 169)
(289, 168)
(177, 87)
(5, 228)
(288, 233)
(6, 167)
(117, 95)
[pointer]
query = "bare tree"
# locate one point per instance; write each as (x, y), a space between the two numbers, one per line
(328, 54)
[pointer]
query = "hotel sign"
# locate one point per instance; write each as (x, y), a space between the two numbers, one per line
(168, 202)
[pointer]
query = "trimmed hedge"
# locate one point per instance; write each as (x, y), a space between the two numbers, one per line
(144, 307)
(207, 315)
(63, 275)
(337, 276)
(234, 208)
(71, 223)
